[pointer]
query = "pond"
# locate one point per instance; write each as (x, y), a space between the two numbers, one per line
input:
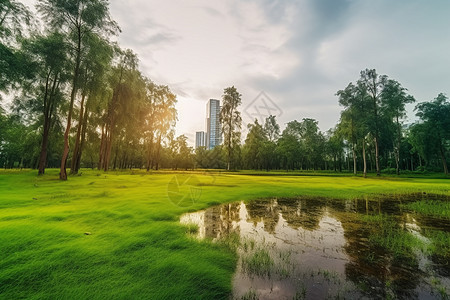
(314, 248)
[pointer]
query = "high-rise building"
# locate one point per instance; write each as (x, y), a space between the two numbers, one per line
(213, 136)
(200, 139)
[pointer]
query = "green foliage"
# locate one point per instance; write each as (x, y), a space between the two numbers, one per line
(231, 122)
(431, 137)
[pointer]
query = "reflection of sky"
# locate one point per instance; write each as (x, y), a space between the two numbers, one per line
(320, 236)
(321, 248)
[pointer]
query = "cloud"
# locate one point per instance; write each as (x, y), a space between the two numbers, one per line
(300, 52)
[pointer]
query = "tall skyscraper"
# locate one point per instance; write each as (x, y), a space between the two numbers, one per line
(200, 139)
(213, 137)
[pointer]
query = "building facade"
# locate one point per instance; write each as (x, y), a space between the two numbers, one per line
(213, 136)
(200, 139)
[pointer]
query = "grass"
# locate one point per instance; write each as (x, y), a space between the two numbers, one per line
(387, 234)
(137, 248)
(259, 263)
(440, 242)
(433, 208)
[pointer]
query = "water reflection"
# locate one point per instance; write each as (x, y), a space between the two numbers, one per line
(316, 248)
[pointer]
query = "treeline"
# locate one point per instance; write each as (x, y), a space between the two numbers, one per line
(371, 135)
(79, 99)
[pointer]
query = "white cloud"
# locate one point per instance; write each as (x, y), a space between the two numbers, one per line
(300, 52)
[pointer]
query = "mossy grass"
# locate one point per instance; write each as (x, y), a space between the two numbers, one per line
(116, 234)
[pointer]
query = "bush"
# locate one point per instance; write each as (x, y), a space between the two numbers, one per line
(389, 171)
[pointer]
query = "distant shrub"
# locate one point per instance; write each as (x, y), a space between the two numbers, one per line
(389, 171)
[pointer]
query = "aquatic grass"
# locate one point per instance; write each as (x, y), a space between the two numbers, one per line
(386, 233)
(433, 208)
(250, 295)
(258, 263)
(440, 242)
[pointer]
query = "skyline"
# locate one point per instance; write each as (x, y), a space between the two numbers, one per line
(300, 53)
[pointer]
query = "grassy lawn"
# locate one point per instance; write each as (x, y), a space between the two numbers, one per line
(117, 235)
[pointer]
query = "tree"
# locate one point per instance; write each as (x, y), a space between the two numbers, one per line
(14, 18)
(435, 117)
(272, 129)
(355, 119)
(335, 146)
(374, 84)
(121, 115)
(76, 19)
(49, 55)
(289, 146)
(231, 121)
(254, 146)
(272, 133)
(313, 143)
(182, 154)
(92, 85)
(393, 101)
(160, 118)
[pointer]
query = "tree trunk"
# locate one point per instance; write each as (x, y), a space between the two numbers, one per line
(43, 154)
(444, 161)
(102, 145)
(397, 150)
(63, 172)
(158, 146)
(44, 147)
(354, 159)
(348, 162)
(73, 168)
(377, 158)
(150, 151)
(83, 138)
(364, 158)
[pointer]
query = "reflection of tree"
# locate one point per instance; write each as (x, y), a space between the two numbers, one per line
(435, 228)
(373, 268)
(378, 271)
(266, 211)
(219, 220)
(302, 212)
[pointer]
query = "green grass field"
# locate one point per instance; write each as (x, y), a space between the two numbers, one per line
(117, 235)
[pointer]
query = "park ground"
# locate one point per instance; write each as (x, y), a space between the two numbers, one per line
(117, 234)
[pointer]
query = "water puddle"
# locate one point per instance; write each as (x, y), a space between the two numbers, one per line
(312, 248)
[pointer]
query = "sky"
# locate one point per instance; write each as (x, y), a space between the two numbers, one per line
(289, 56)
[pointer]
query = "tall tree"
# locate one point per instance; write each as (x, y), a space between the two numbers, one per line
(92, 85)
(374, 84)
(271, 128)
(120, 112)
(231, 121)
(348, 124)
(14, 19)
(289, 147)
(355, 118)
(435, 116)
(335, 147)
(393, 101)
(254, 146)
(160, 118)
(49, 54)
(313, 143)
(76, 19)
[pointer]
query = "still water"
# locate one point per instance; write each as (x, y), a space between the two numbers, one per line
(314, 248)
